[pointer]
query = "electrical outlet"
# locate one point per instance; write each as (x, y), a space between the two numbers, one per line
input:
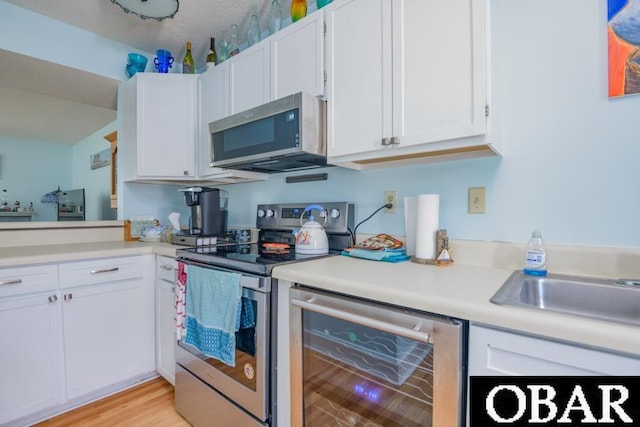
(391, 197)
(477, 200)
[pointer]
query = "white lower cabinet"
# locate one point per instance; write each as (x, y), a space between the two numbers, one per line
(108, 322)
(166, 269)
(102, 331)
(499, 352)
(72, 333)
(31, 353)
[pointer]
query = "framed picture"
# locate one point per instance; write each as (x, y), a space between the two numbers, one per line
(103, 158)
(624, 47)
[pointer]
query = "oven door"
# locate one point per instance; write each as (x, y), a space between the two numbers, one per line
(246, 384)
(358, 363)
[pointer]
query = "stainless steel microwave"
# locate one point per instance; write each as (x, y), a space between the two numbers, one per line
(284, 135)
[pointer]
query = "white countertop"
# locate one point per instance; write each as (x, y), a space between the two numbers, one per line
(461, 291)
(23, 255)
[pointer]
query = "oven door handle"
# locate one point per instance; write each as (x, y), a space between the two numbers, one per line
(312, 304)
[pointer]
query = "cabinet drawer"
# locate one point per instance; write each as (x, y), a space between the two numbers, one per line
(166, 268)
(100, 271)
(499, 352)
(23, 280)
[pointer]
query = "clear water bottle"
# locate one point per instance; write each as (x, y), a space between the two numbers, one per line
(535, 256)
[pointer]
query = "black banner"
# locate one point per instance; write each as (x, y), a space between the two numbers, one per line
(554, 401)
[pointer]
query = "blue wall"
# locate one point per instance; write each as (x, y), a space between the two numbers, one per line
(570, 153)
(570, 165)
(29, 169)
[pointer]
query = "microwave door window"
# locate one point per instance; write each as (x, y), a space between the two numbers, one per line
(277, 132)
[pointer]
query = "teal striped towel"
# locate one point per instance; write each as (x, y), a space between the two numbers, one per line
(213, 304)
(386, 255)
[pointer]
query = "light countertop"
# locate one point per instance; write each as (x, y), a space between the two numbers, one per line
(461, 291)
(23, 255)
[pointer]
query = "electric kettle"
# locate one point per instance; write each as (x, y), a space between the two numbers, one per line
(311, 239)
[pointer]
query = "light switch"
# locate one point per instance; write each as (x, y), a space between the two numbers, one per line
(477, 200)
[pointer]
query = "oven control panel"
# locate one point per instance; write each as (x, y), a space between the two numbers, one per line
(286, 216)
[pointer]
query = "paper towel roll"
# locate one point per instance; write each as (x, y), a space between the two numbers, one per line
(410, 225)
(427, 223)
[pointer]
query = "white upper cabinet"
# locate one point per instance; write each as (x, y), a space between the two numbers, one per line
(157, 134)
(297, 58)
(249, 78)
(407, 80)
(214, 104)
(164, 123)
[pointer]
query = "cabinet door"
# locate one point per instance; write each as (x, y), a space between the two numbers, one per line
(499, 352)
(359, 82)
(166, 129)
(214, 105)
(104, 327)
(297, 58)
(439, 79)
(31, 357)
(249, 78)
(165, 330)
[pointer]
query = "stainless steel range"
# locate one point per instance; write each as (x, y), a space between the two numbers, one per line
(211, 392)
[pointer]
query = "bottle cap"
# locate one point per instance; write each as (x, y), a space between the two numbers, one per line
(188, 45)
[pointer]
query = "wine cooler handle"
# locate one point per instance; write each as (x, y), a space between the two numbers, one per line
(382, 325)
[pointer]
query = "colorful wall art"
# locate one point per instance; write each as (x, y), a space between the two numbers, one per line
(624, 47)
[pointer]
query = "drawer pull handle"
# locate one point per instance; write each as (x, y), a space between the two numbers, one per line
(11, 282)
(53, 298)
(105, 270)
(166, 267)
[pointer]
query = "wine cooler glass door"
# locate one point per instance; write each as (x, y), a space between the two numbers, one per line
(366, 364)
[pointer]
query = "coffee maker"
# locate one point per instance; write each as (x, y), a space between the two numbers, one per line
(208, 210)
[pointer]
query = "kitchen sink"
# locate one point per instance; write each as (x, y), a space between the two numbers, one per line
(604, 299)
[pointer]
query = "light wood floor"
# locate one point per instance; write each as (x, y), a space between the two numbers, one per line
(149, 404)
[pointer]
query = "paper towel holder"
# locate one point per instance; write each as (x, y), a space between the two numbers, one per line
(441, 237)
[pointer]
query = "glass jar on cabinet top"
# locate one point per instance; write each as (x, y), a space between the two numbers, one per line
(275, 17)
(253, 30)
(322, 3)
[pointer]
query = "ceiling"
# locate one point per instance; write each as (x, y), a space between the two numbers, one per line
(46, 101)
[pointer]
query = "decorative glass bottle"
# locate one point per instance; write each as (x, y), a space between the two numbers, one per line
(275, 17)
(253, 32)
(187, 62)
(234, 49)
(212, 58)
(298, 9)
(5, 201)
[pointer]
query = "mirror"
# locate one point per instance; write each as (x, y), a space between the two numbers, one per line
(54, 123)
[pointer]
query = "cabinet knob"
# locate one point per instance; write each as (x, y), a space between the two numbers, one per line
(67, 297)
(386, 141)
(53, 298)
(394, 140)
(185, 173)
